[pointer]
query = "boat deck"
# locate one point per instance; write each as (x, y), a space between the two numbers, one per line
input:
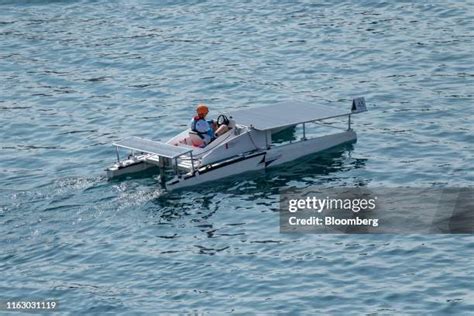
(185, 164)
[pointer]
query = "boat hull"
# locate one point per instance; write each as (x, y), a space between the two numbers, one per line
(129, 166)
(261, 160)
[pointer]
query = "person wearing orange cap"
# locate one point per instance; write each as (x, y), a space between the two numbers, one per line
(206, 130)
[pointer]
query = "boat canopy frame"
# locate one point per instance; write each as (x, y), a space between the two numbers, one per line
(160, 149)
(286, 114)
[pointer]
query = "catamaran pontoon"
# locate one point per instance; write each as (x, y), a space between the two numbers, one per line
(247, 146)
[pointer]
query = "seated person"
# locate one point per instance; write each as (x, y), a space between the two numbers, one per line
(206, 130)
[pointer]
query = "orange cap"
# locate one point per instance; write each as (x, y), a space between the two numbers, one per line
(202, 110)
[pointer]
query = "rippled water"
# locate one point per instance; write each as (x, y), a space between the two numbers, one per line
(78, 75)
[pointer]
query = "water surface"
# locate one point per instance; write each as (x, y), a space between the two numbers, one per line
(78, 75)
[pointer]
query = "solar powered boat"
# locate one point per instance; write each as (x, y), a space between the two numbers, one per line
(248, 145)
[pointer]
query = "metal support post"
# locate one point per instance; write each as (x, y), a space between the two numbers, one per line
(192, 161)
(117, 153)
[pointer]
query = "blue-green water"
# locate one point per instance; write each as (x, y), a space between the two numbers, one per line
(78, 75)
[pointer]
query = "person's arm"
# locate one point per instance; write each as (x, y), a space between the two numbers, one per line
(212, 124)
